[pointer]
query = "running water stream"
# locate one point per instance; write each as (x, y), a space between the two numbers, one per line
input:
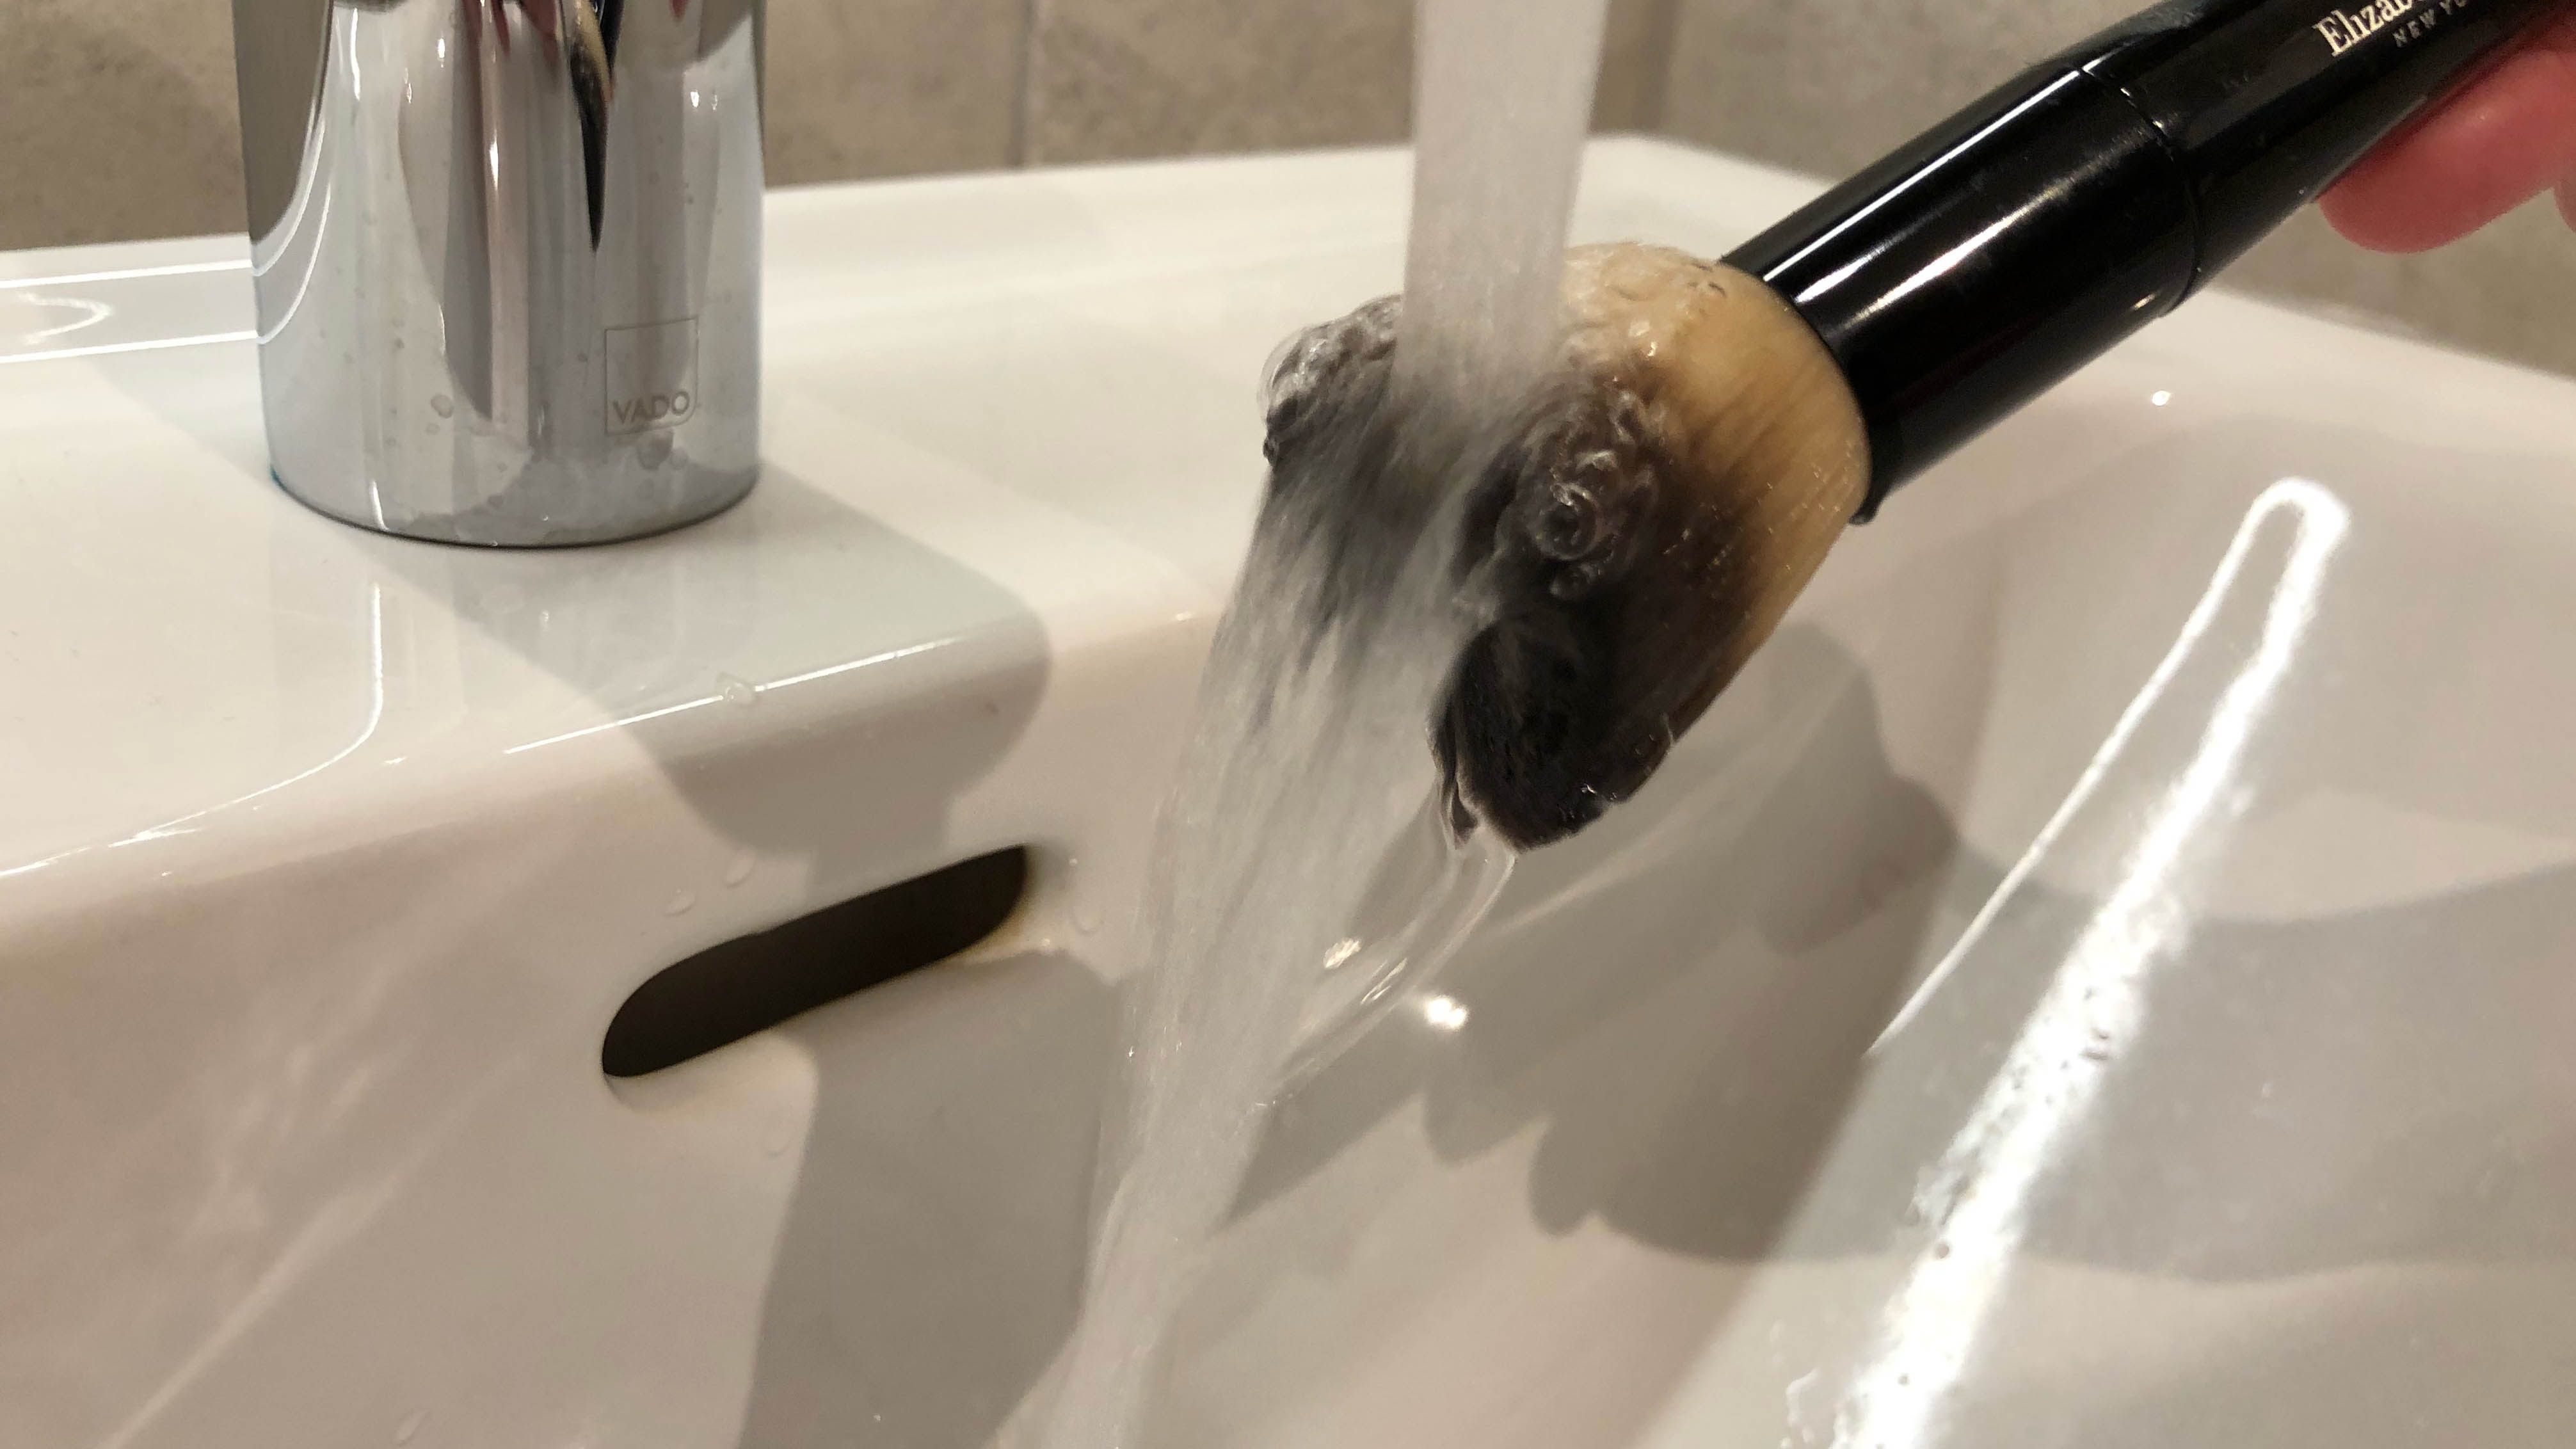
(1311, 749)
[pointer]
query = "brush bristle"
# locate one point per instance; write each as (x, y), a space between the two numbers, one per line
(1661, 500)
(1660, 513)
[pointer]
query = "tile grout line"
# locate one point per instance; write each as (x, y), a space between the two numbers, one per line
(1024, 92)
(1662, 30)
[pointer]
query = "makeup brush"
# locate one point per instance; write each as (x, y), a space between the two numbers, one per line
(1714, 426)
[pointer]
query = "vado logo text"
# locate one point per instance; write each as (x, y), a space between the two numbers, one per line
(660, 407)
(652, 375)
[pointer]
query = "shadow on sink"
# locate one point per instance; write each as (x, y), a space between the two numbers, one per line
(367, 1031)
(637, 630)
(1688, 1107)
(635, 627)
(1687, 997)
(2321, 1183)
(931, 1262)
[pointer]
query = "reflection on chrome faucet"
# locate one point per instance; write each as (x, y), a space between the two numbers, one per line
(507, 260)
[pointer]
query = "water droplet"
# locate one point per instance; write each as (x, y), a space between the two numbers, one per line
(409, 1428)
(654, 448)
(443, 405)
(1086, 917)
(739, 869)
(779, 1136)
(739, 692)
(1348, 947)
(1800, 1429)
(681, 902)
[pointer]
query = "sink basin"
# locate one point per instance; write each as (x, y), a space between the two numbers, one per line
(2099, 978)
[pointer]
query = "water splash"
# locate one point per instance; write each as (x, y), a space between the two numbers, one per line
(1311, 754)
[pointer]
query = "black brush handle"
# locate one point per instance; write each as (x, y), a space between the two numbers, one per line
(1997, 253)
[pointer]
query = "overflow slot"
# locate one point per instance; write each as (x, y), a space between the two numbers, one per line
(752, 983)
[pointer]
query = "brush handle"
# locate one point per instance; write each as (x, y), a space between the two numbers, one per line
(1997, 253)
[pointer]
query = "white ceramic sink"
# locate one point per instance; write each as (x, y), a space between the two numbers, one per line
(2103, 976)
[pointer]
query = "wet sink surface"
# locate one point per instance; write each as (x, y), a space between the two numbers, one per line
(2098, 979)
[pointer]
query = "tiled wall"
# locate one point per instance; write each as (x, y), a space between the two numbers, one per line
(116, 116)
(1124, 78)
(116, 120)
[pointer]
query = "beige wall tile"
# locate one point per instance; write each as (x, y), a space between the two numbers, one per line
(1127, 78)
(892, 87)
(2509, 290)
(116, 120)
(1636, 60)
(117, 117)
(1829, 85)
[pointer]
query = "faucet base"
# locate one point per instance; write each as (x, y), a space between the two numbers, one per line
(497, 528)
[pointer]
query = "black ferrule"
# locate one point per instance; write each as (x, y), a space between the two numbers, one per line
(1989, 258)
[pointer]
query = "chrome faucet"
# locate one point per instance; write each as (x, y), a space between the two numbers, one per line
(507, 257)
